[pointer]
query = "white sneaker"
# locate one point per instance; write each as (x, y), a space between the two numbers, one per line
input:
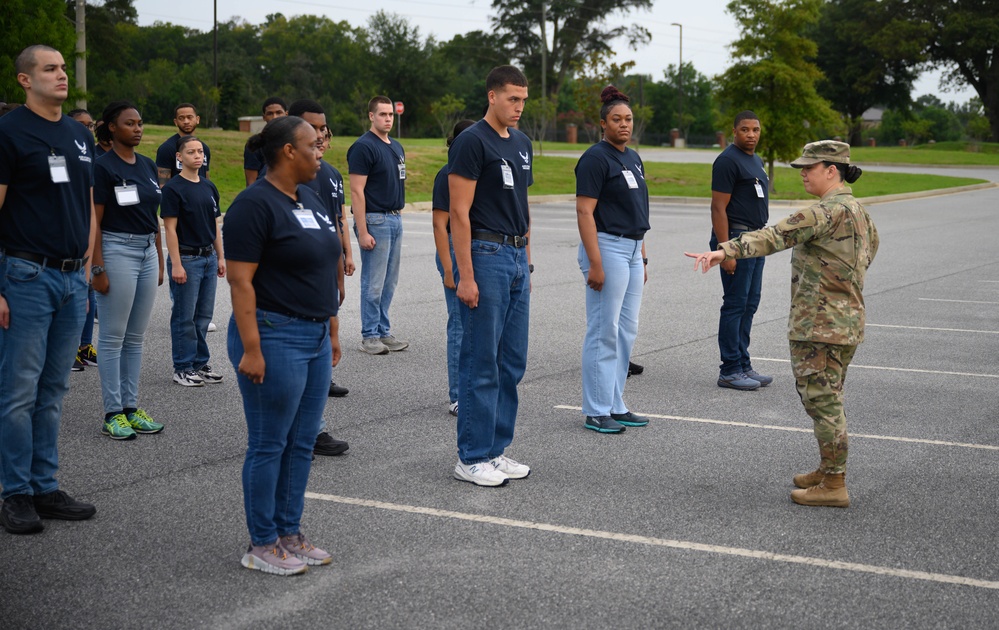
(511, 468)
(188, 379)
(483, 474)
(453, 408)
(212, 327)
(209, 376)
(372, 345)
(393, 344)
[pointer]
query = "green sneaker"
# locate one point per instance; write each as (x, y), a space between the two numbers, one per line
(140, 421)
(118, 428)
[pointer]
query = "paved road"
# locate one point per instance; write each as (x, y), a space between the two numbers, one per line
(685, 523)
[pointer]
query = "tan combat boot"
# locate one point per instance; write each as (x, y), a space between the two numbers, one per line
(831, 492)
(807, 480)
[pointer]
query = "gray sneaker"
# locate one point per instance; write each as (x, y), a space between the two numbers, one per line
(393, 344)
(372, 345)
(273, 559)
(739, 381)
(300, 547)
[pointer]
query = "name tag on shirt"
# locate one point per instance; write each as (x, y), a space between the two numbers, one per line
(126, 195)
(507, 175)
(58, 170)
(402, 170)
(630, 178)
(759, 189)
(306, 219)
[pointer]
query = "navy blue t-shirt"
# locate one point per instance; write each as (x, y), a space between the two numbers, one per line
(479, 153)
(253, 160)
(110, 172)
(442, 195)
(99, 150)
(736, 173)
(385, 166)
(328, 184)
(39, 216)
(196, 206)
(297, 254)
(600, 174)
(166, 156)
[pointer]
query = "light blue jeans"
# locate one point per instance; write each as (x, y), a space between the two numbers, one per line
(193, 306)
(36, 355)
(132, 266)
(380, 272)
(284, 414)
(611, 323)
(453, 328)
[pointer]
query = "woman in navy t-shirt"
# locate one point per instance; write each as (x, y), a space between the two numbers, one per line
(282, 252)
(612, 210)
(127, 267)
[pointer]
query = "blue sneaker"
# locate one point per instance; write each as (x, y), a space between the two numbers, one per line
(739, 381)
(603, 424)
(762, 379)
(629, 419)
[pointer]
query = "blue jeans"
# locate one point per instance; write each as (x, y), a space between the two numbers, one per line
(380, 272)
(193, 306)
(742, 297)
(132, 265)
(87, 336)
(611, 323)
(493, 351)
(36, 355)
(453, 329)
(283, 417)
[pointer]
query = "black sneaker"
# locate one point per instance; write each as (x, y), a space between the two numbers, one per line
(77, 366)
(18, 516)
(630, 419)
(61, 506)
(603, 424)
(336, 391)
(635, 369)
(326, 445)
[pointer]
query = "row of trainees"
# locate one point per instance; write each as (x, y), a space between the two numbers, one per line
(284, 265)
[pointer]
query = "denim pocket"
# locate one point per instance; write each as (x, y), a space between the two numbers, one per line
(19, 270)
(485, 248)
(374, 218)
(271, 319)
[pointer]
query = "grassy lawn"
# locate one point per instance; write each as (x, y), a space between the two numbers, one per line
(554, 175)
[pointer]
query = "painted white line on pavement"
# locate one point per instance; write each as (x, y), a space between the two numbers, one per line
(775, 427)
(958, 301)
(964, 330)
(895, 369)
(821, 563)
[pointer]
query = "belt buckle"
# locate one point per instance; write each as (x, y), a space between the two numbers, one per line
(69, 264)
(519, 241)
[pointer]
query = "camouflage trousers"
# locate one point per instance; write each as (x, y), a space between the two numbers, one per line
(819, 372)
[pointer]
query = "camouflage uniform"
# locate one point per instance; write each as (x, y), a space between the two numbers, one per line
(834, 242)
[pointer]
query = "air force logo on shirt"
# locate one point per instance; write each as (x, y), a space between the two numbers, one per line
(527, 161)
(82, 146)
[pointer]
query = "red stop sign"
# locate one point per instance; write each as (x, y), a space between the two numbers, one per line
(399, 109)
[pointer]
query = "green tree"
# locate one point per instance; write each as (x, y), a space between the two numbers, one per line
(774, 77)
(698, 103)
(538, 117)
(465, 61)
(593, 74)
(578, 28)
(25, 23)
(865, 62)
(448, 110)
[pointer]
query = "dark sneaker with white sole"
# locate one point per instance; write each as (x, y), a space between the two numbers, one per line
(603, 424)
(61, 506)
(209, 376)
(18, 515)
(635, 369)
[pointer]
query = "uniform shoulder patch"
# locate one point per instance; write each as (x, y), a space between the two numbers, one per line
(795, 219)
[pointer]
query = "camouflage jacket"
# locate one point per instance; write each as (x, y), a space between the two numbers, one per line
(834, 242)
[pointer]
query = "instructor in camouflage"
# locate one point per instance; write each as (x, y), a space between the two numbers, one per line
(834, 243)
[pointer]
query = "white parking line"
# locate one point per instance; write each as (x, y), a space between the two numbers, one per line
(895, 369)
(821, 563)
(958, 301)
(963, 330)
(775, 427)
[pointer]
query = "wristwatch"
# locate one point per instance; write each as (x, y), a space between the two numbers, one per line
(645, 261)
(530, 268)
(96, 270)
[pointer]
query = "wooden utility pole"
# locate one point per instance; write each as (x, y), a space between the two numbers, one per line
(81, 52)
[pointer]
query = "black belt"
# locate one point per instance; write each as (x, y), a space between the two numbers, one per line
(62, 264)
(318, 320)
(197, 251)
(502, 239)
(739, 226)
(384, 211)
(633, 237)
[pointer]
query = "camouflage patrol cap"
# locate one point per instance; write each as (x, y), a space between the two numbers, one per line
(823, 151)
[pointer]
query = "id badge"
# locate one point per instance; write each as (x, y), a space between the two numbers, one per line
(759, 189)
(630, 178)
(402, 170)
(507, 175)
(58, 170)
(306, 219)
(126, 195)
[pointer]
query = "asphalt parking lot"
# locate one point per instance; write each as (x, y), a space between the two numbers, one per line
(684, 523)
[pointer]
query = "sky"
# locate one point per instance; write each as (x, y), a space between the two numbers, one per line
(707, 28)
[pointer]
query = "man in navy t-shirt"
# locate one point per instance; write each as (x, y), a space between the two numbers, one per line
(377, 166)
(47, 225)
(253, 161)
(739, 203)
(489, 168)
(185, 116)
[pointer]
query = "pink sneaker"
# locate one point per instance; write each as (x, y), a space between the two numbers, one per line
(272, 559)
(300, 547)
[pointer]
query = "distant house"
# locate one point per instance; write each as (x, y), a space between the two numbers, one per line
(872, 117)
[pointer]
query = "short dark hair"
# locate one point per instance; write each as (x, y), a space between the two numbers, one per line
(305, 106)
(275, 135)
(460, 126)
(73, 113)
(182, 106)
(505, 75)
(376, 101)
(26, 62)
(110, 115)
(745, 114)
(274, 100)
(182, 141)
